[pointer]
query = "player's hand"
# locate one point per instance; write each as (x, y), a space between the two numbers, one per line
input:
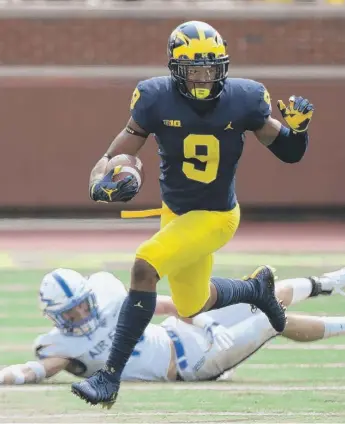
(107, 191)
(216, 334)
(297, 114)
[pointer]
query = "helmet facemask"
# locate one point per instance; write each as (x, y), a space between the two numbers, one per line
(199, 79)
(78, 318)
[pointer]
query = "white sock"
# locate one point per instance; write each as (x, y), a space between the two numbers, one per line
(334, 326)
(301, 287)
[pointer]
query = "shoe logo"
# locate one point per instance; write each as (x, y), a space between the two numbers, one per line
(229, 126)
(139, 305)
(110, 370)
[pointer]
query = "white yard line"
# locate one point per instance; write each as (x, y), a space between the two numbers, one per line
(177, 414)
(35, 418)
(287, 366)
(304, 346)
(219, 386)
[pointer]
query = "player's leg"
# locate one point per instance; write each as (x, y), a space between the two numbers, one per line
(236, 332)
(294, 290)
(182, 241)
(193, 291)
(190, 285)
(182, 250)
(186, 241)
(302, 328)
(289, 292)
(266, 301)
(227, 347)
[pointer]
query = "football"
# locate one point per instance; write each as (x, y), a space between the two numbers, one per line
(131, 165)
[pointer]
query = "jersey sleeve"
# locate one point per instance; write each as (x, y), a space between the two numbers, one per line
(54, 344)
(259, 106)
(141, 106)
(109, 290)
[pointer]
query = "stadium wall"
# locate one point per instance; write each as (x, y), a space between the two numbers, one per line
(65, 86)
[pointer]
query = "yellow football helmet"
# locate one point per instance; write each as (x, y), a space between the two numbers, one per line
(198, 60)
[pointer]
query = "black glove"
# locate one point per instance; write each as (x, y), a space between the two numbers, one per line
(108, 191)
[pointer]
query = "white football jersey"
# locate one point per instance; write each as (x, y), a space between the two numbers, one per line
(150, 359)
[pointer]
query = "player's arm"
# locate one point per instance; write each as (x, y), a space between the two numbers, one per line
(287, 144)
(32, 371)
(165, 306)
(129, 141)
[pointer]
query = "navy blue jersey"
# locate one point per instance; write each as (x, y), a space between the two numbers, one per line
(199, 148)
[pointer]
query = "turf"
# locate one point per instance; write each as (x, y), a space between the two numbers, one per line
(289, 384)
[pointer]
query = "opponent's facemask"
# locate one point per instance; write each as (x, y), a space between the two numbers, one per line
(68, 301)
(198, 61)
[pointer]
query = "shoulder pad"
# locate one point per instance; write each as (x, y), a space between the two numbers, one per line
(255, 90)
(145, 102)
(259, 105)
(109, 291)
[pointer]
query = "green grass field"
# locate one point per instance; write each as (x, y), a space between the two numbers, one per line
(284, 382)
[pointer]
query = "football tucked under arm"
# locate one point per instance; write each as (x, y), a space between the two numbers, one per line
(124, 166)
(32, 371)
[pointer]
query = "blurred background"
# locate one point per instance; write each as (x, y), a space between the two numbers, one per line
(68, 69)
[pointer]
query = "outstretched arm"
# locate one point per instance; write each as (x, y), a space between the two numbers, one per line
(32, 371)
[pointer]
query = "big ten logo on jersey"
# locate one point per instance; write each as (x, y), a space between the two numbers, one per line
(172, 123)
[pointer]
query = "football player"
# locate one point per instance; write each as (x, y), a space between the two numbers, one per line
(84, 312)
(199, 118)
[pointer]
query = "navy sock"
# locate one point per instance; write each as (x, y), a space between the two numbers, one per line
(135, 315)
(230, 292)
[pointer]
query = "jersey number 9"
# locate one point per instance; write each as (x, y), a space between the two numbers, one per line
(204, 148)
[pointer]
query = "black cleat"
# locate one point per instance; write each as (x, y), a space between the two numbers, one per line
(266, 299)
(100, 388)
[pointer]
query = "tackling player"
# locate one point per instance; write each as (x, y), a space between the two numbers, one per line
(84, 312)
